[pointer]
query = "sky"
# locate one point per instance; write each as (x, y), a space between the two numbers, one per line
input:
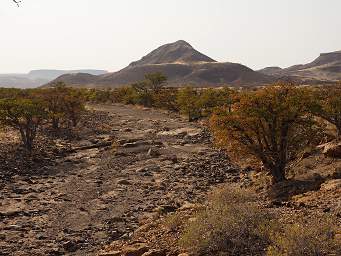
(109, 34)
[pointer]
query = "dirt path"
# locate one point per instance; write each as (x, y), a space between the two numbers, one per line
(95, 196)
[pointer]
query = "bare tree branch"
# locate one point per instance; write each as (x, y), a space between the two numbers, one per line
(17, 2)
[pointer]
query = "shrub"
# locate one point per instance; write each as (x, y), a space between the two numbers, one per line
(210, 99)
(7, 93)
(328, 106)
(315, 238)
(54, 101)
(99, 96)
(174, 221)
(232, 224)
(155, 81)
(63, 104)
(166, 99)
(126, 95)
(25, 115)
(143, 96)
(188, 103)
(271, 124)
(74, 106)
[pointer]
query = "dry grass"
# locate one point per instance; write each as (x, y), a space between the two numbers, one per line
(315, 238)
(234, 223)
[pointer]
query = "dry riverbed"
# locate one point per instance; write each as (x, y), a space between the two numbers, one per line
(141, 163)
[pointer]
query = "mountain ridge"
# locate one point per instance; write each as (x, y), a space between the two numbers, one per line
(181, 63)
(326, 67)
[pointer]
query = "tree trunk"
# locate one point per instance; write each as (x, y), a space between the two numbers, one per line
(55, 123)
(338, 132)
(29, 139)
(278, 174)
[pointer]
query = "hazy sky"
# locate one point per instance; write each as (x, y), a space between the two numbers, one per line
(109, 34)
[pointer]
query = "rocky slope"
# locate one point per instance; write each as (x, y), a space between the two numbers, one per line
(182, 64)
(178, 52)
(327, 67)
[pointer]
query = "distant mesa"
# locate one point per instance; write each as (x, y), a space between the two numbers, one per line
(327, 67)
(36, 78)
(51, 74)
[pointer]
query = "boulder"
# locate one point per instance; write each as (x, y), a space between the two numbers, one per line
(135, 250)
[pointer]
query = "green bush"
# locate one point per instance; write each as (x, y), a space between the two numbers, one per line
(188, 101)
(24, 115)
(211, 98)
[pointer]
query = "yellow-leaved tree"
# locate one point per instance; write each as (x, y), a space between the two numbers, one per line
(273, 125)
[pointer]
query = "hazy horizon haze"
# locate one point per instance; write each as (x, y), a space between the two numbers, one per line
(78, 34)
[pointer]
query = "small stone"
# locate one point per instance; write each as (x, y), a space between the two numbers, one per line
(112, 253)
(70, 246)
(135, 249)
(331, 185)
(337, 173)
(332, 150)
(155, 253)
(188, 206)
(123, 182)
(153, 153)
(326, 210)
(165, 209)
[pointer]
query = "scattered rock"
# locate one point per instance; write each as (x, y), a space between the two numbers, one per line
(331, 185)
(70, 246)
(189, 206)
(135, 144)
(332, 149)
(155, 253)
(112, 253)
(123, 182)
(337, 173)
(164, 209)
(137, 249)
(153, 153)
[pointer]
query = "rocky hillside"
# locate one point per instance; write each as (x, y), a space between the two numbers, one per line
(178, 52)
(182, 64)
(327, 67)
